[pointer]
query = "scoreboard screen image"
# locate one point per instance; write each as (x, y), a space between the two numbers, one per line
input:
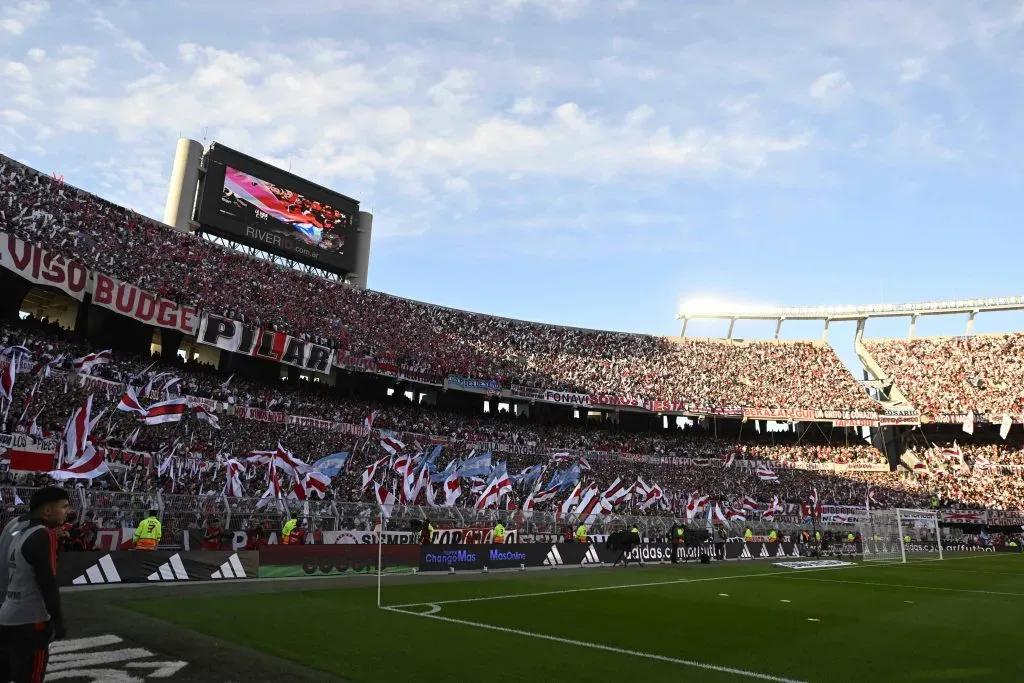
(267, 208)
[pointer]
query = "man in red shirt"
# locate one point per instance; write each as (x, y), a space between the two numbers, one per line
(214, 536)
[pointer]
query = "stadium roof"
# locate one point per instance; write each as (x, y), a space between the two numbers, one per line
(690, 311)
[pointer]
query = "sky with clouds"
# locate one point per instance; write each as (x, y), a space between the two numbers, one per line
(572, 161)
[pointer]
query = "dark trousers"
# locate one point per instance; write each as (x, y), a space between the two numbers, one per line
(25, 651)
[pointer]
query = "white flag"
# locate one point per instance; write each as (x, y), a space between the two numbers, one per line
(1004, 426)
(969, 422)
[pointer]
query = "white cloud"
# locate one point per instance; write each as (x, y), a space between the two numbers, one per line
(911, 70)
(13, 116)
(831, 88)
(74, 70)
(36, 54)
(17, 17)
(639, 115)
(12, 26)
(526, 106)
(17, 71)
(923, 140)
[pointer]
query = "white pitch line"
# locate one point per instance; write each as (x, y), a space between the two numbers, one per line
(618, 586)
(904, 585)
(605, 648)
(591, 589)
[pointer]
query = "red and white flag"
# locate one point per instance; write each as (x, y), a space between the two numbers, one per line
(391, 444)
(371, 471)
(695, 503)
(572, 500)
(76, 433)
(89, 466)
(204, 415)
(654, 495)
(314, 484)
(403, 465)
(730, 458)
(815, 503)
(85, 364)
(385, 499)
(545, 496)
(413, 483)
(368, 420)
(165, 412)
(130, 402)
(273, 492)
(233, 471)
(592, 506)
(749, 503)
(765, 473)
(7, 379)
(617, 493)
(499, 486)
(736, 515)
(452, 489)
(773, 507)
(640, 489)
(717, 515)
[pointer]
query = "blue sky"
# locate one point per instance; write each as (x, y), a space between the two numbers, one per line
(573, 161)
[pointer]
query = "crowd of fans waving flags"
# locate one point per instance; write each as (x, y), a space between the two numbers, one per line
(407, 475)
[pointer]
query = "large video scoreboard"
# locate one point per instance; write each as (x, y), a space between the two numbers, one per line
(262, 206)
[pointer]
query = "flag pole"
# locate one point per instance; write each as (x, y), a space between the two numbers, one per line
(380, 555)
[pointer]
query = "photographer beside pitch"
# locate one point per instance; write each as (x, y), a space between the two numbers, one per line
(624, 542)
(30, 616)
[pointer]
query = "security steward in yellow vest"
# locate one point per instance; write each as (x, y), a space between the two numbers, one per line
(748, 536)
(149, 532)
(581, 533)
(773, 536)
(850, 538)
(499, 533)
(286, 532)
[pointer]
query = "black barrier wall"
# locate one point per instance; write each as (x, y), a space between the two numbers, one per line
(342, 558)
(476, 557)
(83, 569)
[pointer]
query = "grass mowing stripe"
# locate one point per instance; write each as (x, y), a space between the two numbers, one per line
(618, 586)
(598, 646)
(904, 585)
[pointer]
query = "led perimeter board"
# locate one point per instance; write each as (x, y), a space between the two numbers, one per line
(259, 205)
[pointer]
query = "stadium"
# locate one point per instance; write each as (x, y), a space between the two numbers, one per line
(278, 473)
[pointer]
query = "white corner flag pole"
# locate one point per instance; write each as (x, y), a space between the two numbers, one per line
(380, 555)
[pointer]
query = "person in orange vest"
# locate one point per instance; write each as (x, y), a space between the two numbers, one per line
(149, 532)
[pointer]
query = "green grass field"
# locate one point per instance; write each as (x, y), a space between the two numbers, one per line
(955, 620)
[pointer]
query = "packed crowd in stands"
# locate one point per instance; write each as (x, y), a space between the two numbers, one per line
(983, 374)
(198, 471)
(413, 335)
(977, 474)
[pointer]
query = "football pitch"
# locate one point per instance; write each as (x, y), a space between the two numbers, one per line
(953, 620)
